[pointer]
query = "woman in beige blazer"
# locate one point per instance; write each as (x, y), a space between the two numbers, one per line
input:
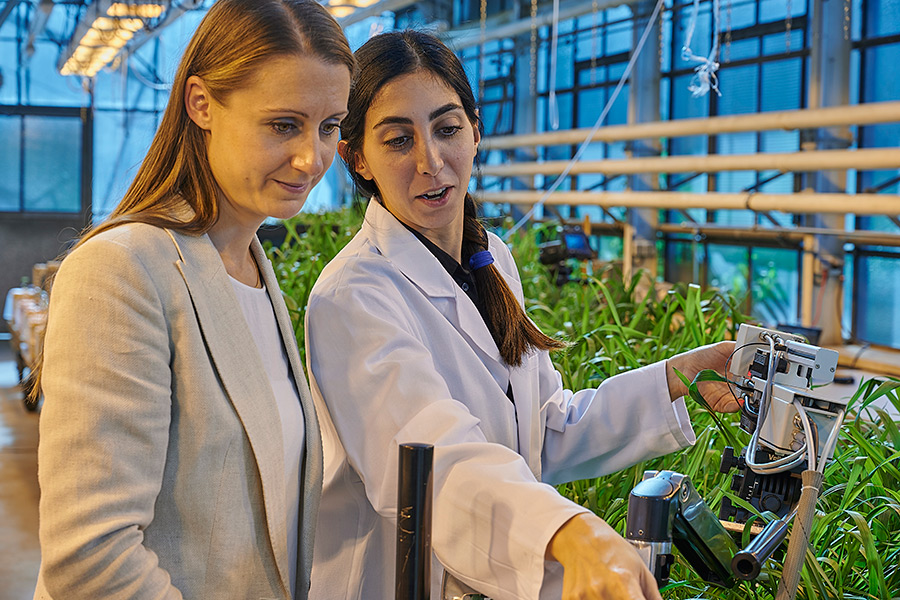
(180, 454)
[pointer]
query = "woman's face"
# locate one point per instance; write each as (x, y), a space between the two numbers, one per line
(272, 140)
(418, 147)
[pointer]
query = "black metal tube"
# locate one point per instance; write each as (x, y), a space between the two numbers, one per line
(414, 492)
(748, 562)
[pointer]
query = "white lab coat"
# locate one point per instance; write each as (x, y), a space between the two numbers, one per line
(398, 353)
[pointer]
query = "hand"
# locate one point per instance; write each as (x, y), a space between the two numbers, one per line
(599, 564)
(712, 356)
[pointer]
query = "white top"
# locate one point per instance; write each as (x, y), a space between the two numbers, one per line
(398, 353)
(257, 308)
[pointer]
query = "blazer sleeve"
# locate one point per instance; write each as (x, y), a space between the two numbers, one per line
(492, 519)
(104, 427)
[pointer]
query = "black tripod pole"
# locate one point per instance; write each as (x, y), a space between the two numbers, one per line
(414, 492)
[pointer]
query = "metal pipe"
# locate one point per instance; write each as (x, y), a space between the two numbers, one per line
(863, 159)
(414, 492)
(792, 237)
(833, 116)
(807, 274)
(860, 204)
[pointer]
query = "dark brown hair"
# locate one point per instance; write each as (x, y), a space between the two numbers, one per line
(383, 58)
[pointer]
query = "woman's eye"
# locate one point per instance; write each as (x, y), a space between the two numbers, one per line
(450, 130)
(397, 142)
(330, 128)
(282, 127)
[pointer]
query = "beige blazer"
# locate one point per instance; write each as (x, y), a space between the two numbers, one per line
(160, 458)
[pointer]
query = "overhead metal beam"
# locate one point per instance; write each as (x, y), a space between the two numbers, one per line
(7, 9)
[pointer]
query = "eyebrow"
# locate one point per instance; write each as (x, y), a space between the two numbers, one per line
(407, 121)
(337, 115)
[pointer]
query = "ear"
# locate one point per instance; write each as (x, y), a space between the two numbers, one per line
(357, 160)
(477, 136)
(197, 101)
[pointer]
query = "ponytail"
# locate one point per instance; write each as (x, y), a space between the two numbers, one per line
(512, 330)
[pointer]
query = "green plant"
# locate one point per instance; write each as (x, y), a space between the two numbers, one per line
(615, 325)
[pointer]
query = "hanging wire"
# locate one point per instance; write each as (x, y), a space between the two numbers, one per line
(788, 22)
(532, 76)
(705, 73)
(594, 10)
(590, 136)
(483, 57)
(554, 44)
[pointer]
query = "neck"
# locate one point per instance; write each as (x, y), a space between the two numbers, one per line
(232, 240)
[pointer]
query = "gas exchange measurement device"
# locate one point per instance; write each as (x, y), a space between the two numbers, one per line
(794, 432)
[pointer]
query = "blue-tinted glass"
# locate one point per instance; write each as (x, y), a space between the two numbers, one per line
(727, 268)
(854, 76)
(778, 43)
(783, 184)
(563, 111)
(590, 77)
(618, 38)
(736, 143)
(740, 91)
(735, 181)
(52, 164)
(45, 86)
(565, 76)
(775, 10)
(882, 17)
(878, 308)
(10, 162)
(779, 140)
(9, 91)
(882, 77)
(740, 49)
(776, 285)
(685, 105)
(782, 82)
(590, 42)
(738, 14)
(118, 157)
(590, 104)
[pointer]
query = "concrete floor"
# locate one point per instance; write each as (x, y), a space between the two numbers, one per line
(20, 554)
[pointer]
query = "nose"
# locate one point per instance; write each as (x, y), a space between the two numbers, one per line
(429, 160)
(307, 155)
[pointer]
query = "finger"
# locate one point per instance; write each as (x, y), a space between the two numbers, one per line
(649, 587)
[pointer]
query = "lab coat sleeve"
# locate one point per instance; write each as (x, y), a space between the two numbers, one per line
(103, 428)
(492, 519)
(594, 432)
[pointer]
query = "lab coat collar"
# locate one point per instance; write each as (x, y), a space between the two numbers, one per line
(240, 369)
(420, 266)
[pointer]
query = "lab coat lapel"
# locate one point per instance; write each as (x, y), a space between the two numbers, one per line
(422, 268)
(242, 373)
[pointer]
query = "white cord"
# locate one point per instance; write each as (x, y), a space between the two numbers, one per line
(705, 73)
(810, 438)
(600, 119)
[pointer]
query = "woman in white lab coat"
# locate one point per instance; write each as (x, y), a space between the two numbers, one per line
(416, 333)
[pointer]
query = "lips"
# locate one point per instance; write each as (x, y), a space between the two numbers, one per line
(297, 188)
(435, 196)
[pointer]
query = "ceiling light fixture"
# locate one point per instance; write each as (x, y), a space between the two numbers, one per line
(103, 30)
